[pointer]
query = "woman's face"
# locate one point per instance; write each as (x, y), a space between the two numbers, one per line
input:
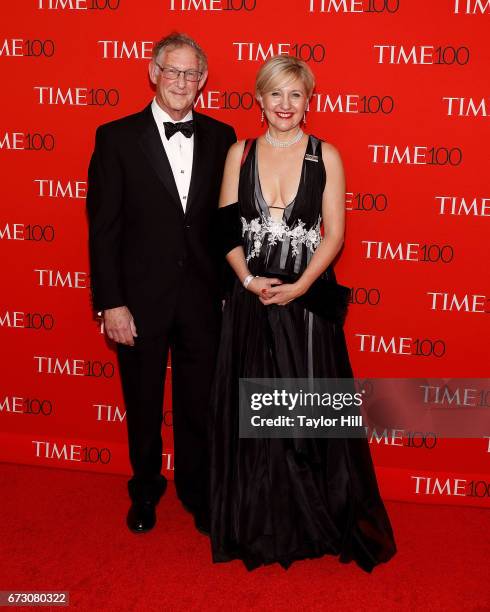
(285, 105)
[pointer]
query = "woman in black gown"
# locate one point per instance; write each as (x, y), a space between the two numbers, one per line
(279, 500)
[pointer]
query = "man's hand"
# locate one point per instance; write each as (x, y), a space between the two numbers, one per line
(119, 325)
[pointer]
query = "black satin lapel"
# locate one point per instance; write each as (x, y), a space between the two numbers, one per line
(152, 146)
(200, 162)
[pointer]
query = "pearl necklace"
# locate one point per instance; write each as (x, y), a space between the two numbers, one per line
(284, 143)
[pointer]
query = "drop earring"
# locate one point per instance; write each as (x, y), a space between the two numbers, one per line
(304, 119)
(262, 118)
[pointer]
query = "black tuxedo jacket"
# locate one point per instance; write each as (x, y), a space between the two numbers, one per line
(141, 243)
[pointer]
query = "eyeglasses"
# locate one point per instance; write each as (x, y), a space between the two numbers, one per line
(173, 74)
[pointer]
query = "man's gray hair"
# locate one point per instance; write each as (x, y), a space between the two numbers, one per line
(175, 40)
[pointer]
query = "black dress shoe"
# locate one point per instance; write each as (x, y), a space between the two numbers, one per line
(141, 516)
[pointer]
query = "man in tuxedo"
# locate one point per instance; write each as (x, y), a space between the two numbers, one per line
(154, 181)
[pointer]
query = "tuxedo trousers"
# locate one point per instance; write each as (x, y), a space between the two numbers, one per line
(191, 335)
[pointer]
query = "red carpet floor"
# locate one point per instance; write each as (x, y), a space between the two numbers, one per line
(64, 530)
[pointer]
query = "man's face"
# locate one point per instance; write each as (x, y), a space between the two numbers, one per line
(176, 96)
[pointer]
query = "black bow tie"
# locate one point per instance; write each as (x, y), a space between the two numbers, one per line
(186, 127)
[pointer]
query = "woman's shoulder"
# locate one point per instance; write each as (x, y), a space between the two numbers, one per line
(238, 151)
(330, 153)
(235, 152)
(240, 144)
(327, 147)
(238, 147)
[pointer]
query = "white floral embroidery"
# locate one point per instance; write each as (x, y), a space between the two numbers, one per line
(255, 226)
(261, 227)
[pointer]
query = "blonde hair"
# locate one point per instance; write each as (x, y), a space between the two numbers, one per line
(278, 68)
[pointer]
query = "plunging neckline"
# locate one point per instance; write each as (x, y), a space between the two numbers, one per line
(299, 184)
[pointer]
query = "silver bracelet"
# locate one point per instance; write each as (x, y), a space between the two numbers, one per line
(248, 279)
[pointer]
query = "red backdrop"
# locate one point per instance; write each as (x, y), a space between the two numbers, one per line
(402, 91)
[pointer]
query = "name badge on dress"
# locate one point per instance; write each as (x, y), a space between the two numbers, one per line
(310, 157)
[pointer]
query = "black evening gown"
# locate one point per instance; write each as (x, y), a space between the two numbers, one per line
(279, 500)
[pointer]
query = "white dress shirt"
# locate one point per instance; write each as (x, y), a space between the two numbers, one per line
(179, 150)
